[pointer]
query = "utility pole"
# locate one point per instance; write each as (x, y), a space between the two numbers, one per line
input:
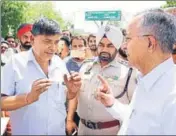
(101, 23)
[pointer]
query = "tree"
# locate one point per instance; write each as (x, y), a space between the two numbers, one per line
(12, 14)
(169, 3)
(45, 9)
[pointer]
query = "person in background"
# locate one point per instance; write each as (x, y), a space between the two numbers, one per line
(67, 33)
(91, 41)
(24, 36)
(149, 43)
(63, 47)
(11, 40)
(12, 45)
(74, 63)
(77, 54)
(4, 48)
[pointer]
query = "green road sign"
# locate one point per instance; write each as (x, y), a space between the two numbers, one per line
(103, 15)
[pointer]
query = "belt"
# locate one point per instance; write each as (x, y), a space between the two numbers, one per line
(100, 125)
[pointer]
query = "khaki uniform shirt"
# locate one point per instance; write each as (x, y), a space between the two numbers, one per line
(91, 109)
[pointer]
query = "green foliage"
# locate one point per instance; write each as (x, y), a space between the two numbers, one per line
(45, 9)
(169, 3)
(14, 13)
(11, 15)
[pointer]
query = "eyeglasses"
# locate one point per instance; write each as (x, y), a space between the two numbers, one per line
(128, 39)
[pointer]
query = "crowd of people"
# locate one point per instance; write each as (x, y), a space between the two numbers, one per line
(117, 81)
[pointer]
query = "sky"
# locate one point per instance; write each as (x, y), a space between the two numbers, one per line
(74, 10)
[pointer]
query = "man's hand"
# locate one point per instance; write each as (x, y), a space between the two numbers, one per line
(39, 86)
(104, 93)
(73, 83)
(70, 126)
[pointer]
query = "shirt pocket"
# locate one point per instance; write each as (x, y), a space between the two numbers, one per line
(117, 86)
(58, 94)
(86, 84)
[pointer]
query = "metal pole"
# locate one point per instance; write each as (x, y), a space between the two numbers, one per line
(96, 23)
(101, 23)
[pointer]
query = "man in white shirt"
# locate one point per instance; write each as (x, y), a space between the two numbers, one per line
(149, 42)
(32, 85)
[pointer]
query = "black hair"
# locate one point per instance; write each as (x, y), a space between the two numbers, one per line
(9, 36)
(45, 26)
(66, 40)
(78, 38)
(5, 42)
(68, 31)
(91, 35)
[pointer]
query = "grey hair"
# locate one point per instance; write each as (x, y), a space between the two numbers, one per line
(161, 25)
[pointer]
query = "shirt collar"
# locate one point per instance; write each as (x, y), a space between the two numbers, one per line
(151, 78)
(53, 63)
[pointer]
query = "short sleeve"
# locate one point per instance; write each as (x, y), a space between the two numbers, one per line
(8, 79)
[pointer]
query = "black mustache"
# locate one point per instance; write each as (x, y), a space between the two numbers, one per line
(27, 43)
(105, 56)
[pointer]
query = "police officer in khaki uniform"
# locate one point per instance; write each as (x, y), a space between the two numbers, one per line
(94, 119)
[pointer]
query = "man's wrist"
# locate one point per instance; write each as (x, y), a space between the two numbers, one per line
(27, 99)
(71, 95)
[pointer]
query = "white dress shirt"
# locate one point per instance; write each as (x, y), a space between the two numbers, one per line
(45, 116)
(153, 107)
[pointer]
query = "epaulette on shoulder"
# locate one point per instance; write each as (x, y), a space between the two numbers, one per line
(123, 63)
(88, 60)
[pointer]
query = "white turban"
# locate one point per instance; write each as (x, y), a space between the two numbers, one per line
(114, 34)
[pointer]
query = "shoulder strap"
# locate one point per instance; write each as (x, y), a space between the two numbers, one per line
(126, 84)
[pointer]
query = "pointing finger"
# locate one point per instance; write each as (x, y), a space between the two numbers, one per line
(103, 81)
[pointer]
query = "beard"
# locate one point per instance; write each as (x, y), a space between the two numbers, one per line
(26, 45)
(105, 56)
(123, 53)
(93, 47)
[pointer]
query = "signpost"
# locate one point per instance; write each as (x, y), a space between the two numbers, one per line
(103, 15)
(114, 15)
